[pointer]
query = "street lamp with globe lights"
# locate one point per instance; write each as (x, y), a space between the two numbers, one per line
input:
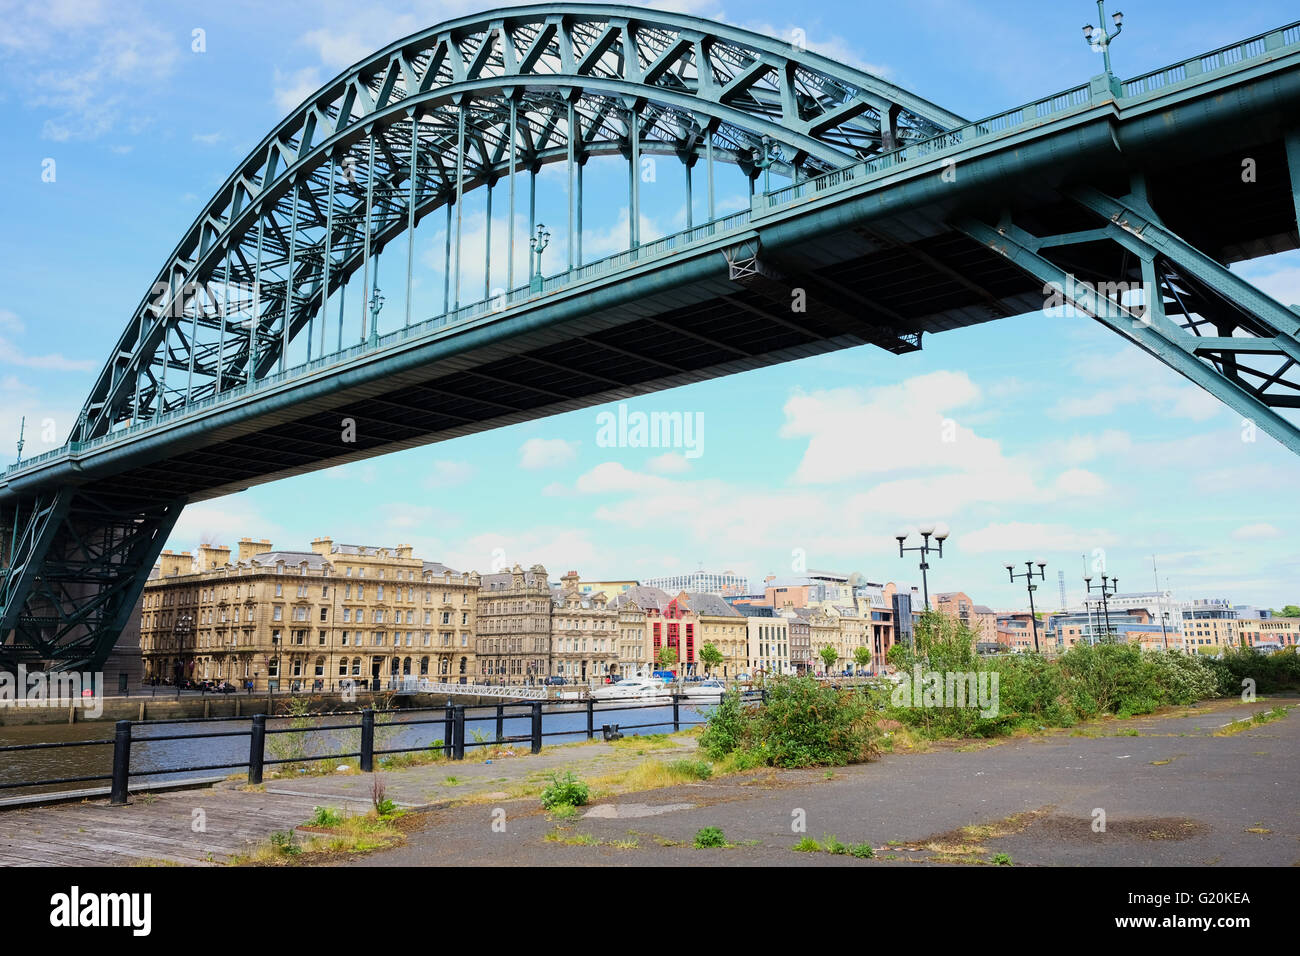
(940, 534)
(1028, 575)
(1098, 38)
(1107, 588)
(538, 244)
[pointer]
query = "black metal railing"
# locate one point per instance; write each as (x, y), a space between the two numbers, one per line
(454, 719)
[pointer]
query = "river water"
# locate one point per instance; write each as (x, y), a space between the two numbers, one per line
(398, 730)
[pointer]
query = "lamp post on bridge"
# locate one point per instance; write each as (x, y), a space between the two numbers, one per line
(1098, 38)
(538, 243)
(1028, 575)
(770, 155)
(376, 303)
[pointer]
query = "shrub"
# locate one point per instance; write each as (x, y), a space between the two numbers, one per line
(325, 817)
(709, 838)
(697, 769)
(567, 790)
(722, 734)
(283, 842)
(806, 724)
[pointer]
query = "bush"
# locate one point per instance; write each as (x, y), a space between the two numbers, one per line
(722, 734)
(325, 817)
(284, 842)
(697, 769)
(803, 724)
(806, 724)
(567, 791)
(709, 838)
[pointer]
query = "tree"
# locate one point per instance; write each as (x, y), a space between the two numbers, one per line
(666, 657)
(829, 657)
(861, 656)
(1289, 611)
(710, 656)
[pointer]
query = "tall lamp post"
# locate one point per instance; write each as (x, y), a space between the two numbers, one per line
(1028, 575)
(181, 631)
(939, 533)
(1107, 588)
(538, 244)
(1098, 38)
(766, 159)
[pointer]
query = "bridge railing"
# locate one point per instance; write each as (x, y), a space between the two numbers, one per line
(376, 730)
(1231, 55)
(1009, 121)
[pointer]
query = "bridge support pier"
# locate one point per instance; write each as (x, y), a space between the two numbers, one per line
(75, 567)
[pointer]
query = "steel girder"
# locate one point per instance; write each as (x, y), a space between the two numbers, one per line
(382, 145)
(76, 564)
(1166, 299)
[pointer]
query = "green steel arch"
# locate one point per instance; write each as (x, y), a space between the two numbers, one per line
(417, 125)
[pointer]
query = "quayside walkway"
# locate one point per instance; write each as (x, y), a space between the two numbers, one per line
(1229, 797)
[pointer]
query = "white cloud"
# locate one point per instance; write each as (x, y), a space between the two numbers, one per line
(11, 354)
(670, 463)
(445, 474)
(1019, 540)
(546, 453)
(1078, 449)
(290, 89)
(1079, 483)
(1256, 532)
(208, 139)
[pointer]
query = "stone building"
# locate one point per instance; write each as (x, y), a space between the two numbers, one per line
(513, 635)
(302, 620)
(584, 629)
(721, 625)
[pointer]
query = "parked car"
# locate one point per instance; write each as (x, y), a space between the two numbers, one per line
(666, 676)
(554, 680)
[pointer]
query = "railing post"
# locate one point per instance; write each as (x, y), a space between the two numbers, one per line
(257, 748)
(447, 730)
(501, 722)
(367, 740)
(591, 716)
(537, 726)
(458, 733)
(677, 717)
(121, 763)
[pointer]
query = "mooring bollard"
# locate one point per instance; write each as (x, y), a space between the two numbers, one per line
(121, 763)
(367, 740)
(537, 726)
(257, 748)
(501, 722)
(458, 733)
(677, 716)
(591, 717)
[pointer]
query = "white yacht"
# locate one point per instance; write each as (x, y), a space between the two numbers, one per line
(630, 687)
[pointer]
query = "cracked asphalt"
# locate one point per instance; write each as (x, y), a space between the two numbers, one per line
(1174, 794)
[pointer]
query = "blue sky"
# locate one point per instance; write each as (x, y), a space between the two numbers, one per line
(1067, 439)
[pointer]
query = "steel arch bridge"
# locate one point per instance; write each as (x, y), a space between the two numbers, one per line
(895, 218)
